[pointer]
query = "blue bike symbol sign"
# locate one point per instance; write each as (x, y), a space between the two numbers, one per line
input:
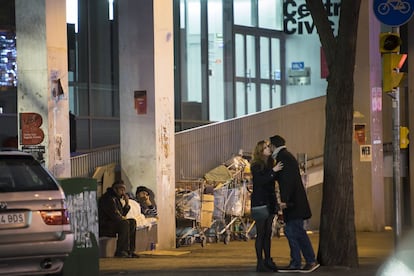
(396, 5)
(393, 12)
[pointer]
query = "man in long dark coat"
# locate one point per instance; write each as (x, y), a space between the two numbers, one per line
(112, 220)
(295, 208)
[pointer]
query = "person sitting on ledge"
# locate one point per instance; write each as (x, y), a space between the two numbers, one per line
(146, 200)
(112, 220)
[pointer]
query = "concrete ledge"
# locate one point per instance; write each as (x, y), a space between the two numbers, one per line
(107, 247)
(145, 235)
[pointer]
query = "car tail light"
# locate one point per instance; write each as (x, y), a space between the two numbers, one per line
(55, 217)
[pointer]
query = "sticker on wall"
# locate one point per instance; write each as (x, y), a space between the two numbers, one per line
(57, 92)
(376, 99)
(140, 101)
(298, 74)
(37, 151)
(365, 153)
(359, 133)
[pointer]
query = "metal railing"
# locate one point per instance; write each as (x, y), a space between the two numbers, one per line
(84, 165)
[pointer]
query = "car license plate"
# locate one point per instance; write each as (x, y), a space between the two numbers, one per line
(12, 218)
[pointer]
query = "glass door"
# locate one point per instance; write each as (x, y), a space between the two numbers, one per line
(258, 81)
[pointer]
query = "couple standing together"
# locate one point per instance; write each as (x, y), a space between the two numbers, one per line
(273, 162)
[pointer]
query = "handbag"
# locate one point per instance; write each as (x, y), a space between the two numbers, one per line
(259, 212)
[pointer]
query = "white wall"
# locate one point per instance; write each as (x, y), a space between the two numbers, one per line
(303, 45)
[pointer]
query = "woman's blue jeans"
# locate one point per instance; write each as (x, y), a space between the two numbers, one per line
(299, 243)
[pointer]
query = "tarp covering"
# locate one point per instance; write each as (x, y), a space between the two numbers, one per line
(218, 174)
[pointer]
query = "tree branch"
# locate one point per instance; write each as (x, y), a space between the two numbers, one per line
(321, 21)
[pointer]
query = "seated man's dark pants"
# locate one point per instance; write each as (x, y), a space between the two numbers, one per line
(126, 236)
(126, 230)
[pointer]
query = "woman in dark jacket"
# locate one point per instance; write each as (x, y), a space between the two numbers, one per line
(263, 171)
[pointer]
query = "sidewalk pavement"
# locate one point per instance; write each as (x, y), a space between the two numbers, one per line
(238, 258)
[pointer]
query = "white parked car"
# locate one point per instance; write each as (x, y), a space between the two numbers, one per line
(35, 234)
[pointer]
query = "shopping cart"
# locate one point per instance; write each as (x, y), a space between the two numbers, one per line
(228, 216)
(194, 211)
(229, 203)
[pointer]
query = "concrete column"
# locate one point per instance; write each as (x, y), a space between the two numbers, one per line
(368, 174)
(43, 82)
(146, 62)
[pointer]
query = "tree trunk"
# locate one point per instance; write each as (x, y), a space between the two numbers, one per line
(337, 241)
(337, 245)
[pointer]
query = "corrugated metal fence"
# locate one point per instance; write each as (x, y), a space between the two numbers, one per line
(84, 165)
(201, 149)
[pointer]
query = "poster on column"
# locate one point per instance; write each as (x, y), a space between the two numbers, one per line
(30, 123)
(32, 135)
(37, 151)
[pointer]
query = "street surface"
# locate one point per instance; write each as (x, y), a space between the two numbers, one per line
(238, 258)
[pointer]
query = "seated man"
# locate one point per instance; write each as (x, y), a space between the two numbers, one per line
(145, 198)
(112, 220)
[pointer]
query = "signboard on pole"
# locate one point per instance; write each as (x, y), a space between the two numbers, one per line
(393, 12)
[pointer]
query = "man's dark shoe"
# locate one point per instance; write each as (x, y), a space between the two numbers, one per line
(133, 255)
(310, 267)
(122, 254)
(269, 263)
(289, 268)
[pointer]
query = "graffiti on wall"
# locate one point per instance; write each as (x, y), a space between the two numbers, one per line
(83, 218)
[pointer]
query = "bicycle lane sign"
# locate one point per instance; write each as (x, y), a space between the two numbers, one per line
(393, 12)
